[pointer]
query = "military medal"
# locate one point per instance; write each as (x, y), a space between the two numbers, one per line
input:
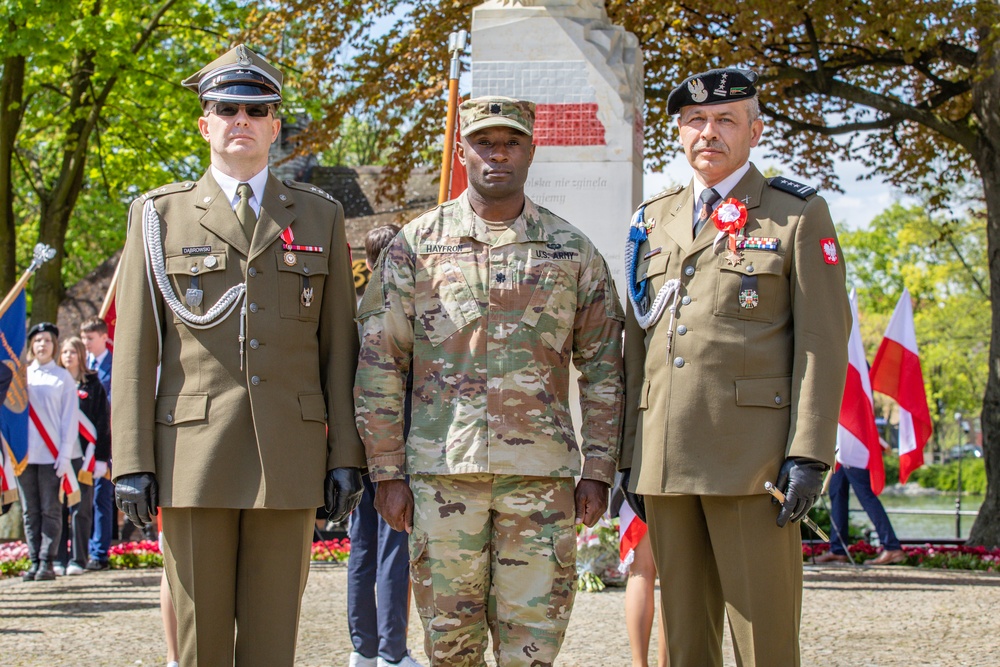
(729, 218)
(748, 298)
(290, 258)
(193, 297)
(307, 296)
(287, 238)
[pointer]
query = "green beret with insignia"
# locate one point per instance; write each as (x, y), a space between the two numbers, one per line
(716, 86)
(239, 76)
(482, 112)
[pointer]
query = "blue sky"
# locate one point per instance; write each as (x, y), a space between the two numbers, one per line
(861, 200)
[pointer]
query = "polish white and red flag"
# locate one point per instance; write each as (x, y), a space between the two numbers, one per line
(857, 436)
(896, 373)
(630, 530)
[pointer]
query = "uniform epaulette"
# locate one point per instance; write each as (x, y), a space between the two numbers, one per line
(309, 187)
(168, 189)
(663, 193)
(800, 190)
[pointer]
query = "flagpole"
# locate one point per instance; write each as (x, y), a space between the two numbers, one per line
(456, 44)
(42, 254)
(109, 297)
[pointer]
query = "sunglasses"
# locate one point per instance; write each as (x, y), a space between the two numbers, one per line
(229, 109)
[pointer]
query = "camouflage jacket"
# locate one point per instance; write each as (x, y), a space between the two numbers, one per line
(489, 332)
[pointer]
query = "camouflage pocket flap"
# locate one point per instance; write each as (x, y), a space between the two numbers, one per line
(564, 546)
(417, 545)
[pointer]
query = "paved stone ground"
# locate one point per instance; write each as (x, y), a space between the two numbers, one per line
(854, 617)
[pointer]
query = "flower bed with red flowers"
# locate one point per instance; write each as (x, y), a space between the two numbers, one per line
(146, 554)
(135, 555)
(948, 558)
(331, 551)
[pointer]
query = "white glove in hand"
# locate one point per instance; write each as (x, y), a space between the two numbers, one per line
(63, 466)
(100, 469)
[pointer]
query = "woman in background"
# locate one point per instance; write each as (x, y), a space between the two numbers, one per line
(52, 445)
(95, 410)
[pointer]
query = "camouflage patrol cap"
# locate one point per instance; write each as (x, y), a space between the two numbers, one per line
(239, 76)
(716, 86)
(482, 112)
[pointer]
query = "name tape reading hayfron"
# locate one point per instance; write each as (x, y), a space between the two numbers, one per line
(441, 248)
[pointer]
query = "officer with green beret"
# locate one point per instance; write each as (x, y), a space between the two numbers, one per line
(234, 362)
(735, 358)
(485, 300)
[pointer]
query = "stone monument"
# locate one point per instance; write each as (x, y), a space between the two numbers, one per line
(585, 75)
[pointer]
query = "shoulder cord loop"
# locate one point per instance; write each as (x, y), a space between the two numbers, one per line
(153, 243)
(637, 293)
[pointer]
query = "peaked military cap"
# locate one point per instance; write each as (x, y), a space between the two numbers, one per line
(239, 76)
(716, 86)
(493, 111)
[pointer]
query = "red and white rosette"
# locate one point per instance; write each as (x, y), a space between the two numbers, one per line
(729, 218)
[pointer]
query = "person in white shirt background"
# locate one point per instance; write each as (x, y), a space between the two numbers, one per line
(53, 444)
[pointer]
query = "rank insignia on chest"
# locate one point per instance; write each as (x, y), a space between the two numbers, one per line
(758, 243)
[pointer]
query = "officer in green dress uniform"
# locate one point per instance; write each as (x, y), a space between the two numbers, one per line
(233, 372)
(735, 357)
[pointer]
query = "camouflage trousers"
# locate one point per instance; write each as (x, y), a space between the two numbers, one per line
(496, 553)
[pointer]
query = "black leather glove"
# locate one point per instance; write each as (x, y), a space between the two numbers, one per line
(5, 508)
(634, 500)
(801, 480)
(137, 496)
(342, 492)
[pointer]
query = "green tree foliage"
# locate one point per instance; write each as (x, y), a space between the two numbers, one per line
(942, 261)
(93, 114)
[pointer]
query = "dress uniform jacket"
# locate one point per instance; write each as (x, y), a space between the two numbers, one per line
(741, 387)
(491, 328)
(224, 430)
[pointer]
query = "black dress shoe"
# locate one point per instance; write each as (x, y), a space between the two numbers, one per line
(96, 565)
(45, 572)
(29, 574)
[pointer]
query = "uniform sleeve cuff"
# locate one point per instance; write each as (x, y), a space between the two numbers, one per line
(388, 467)
(602, 470)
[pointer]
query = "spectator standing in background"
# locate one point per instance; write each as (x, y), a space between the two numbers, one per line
(53, 449)
(94, 333)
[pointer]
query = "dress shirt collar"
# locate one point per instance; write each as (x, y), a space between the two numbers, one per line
(228, 184)
(723, 187)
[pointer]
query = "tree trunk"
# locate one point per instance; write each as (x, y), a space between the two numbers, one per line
(57, 203)
(11, 113)
(986, 529)
(986, 103)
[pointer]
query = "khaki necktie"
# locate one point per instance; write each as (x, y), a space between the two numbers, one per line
(708, 198)
(244, 211)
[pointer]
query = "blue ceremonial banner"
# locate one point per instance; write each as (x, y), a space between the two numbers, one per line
(14, 415)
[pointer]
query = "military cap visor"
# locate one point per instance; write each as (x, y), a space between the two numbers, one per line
(717, 86)
(240, 86)
(483, 112)
(240, 76)
(42, 327)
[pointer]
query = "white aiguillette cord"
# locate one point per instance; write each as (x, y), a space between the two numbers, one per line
(215, 315)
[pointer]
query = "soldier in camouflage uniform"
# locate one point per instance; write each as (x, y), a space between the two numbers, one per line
(487, 299)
